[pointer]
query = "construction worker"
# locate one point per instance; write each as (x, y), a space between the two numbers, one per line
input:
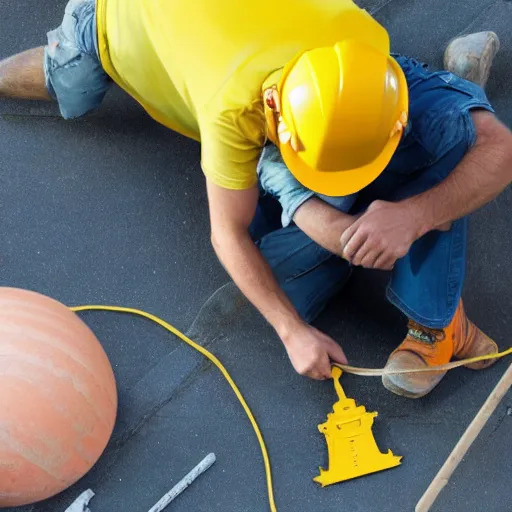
(404, 220)
(317, 80)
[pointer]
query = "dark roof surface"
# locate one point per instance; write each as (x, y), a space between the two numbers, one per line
(112, 209)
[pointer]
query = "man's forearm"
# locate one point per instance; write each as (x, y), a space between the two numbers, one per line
(323, 223)
(247, 267)
(481, 176)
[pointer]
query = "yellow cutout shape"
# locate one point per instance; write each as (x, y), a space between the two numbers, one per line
(352, 449)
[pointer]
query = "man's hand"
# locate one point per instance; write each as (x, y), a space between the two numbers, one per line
(382, 235)
(311, 352)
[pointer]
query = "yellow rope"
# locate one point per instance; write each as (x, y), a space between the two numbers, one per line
(379, 372)
(349, 369)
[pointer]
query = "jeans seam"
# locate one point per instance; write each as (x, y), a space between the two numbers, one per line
(455, 245)
(324, 259)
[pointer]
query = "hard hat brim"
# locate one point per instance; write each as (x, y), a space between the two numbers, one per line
(338, 183)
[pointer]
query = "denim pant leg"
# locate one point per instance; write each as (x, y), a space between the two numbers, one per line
(73, 72)
(426, 284)
(309, 275)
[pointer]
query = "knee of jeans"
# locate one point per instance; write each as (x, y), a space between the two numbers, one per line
(311, 293)
(309, 312)
(307, 309)
(79, 86)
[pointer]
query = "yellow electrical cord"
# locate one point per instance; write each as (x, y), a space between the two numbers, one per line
(349, 369)
(219, 365)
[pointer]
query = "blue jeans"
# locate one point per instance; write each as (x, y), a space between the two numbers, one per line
(427, 283)
(73, 72)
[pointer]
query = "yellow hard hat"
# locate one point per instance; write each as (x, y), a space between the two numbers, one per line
(343, 110)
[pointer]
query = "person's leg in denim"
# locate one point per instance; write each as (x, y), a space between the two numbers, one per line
(67, 70)
(427, 283)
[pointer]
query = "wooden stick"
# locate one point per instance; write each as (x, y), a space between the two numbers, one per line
(183, 484)
(476, 426)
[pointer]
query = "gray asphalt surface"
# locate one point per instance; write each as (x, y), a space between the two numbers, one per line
(112, 209)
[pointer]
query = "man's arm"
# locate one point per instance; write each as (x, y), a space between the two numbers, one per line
(386, 231)
(231, 213)
(481, 176)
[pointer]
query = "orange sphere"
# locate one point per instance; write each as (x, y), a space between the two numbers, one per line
(58, 398)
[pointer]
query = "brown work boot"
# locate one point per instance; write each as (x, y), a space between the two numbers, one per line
(425, 347)
(471, 56)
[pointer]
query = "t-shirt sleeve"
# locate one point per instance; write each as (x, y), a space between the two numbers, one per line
(231, 144)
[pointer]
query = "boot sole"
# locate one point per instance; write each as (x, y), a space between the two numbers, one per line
(397, 390)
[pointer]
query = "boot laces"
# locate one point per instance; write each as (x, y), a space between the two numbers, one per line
(424, 334)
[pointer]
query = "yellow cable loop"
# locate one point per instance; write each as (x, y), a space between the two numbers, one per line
(219, 365)
(349, 369)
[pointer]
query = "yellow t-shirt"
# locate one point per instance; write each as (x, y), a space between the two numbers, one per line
(197, 66)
